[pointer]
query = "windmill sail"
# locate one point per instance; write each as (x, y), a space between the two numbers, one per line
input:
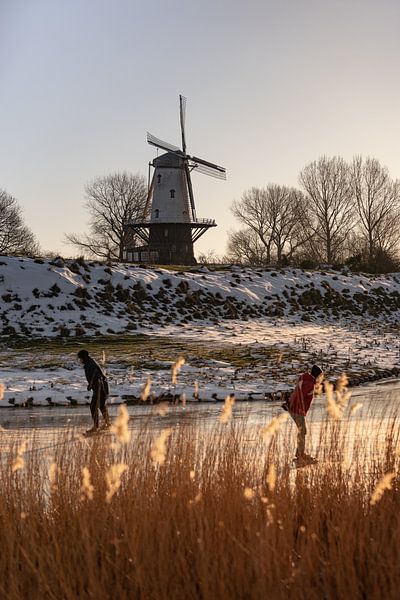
(182, 113)
(154, 141)
(207, 168)
(191, 196)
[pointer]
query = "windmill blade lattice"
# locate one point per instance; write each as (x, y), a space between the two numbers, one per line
(182, 114)
(207, 168)
(154, 141)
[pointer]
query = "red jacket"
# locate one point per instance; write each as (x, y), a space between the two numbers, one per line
(301, 397)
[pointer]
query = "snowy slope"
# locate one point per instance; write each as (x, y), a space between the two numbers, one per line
(53, 298)
(288, 318)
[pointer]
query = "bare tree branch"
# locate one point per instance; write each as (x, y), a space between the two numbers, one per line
(378, 205)
(112, 202)
(327, 186)
(245, 247)
(277, 217)
(15, 236)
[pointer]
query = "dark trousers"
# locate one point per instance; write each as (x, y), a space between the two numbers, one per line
(301, 433)
(97, 403)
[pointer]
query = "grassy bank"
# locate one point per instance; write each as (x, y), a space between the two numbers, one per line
(132, 348)
(195, 512)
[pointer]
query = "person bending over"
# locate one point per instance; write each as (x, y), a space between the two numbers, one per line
(298, 405)
(98, 384)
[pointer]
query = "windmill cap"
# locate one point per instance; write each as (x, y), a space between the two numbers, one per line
(169, 159)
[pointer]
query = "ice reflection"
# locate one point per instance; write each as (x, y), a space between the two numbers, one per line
(364, 433)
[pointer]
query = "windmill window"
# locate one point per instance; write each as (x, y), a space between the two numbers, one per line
(158, 178)
(157, 213)
(172, 193)
(166, 232)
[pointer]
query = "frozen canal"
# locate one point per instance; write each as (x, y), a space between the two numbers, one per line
(43, 427)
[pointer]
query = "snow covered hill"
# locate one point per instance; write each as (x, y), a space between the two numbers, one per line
(75, 298)
(242, 331)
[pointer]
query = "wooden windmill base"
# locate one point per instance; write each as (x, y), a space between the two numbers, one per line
(166, 243)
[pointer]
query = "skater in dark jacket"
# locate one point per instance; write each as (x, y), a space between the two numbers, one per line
(298, 405)
(97, 382)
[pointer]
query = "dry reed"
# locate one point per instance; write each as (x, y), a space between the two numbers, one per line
(224, 515)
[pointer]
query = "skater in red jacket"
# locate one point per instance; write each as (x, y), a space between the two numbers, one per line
(298, 404)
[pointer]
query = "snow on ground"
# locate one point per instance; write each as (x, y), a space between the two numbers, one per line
(288, 318)
(337, 344)
(56, 298)
(336, 348)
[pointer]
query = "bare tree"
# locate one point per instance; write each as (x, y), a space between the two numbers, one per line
(378, 206)
(246, 248)
(253, 212)
(289, 218)
(15, 236)
(112, 201)
(326, 183)
(276, 216)
(210, 257)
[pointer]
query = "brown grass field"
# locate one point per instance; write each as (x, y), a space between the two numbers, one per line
(202, 512)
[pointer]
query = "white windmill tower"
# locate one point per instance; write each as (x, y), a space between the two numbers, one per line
(170, 226)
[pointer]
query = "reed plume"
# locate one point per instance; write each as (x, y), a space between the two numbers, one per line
(175, 368)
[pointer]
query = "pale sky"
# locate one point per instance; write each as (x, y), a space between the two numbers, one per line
(270, 87)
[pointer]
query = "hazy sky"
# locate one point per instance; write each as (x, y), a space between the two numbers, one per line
(270, 87)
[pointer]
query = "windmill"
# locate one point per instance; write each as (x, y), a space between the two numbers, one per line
(169, 226)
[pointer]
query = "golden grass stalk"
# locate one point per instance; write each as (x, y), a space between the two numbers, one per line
(53, 470)
(270, 514)
(196, 499)
(343, 395)
(333, 408)
(87, 489)
(226, 412)
(162, 409)
(113, 479)
(319, 388)
(266, 546)
(175, 368)
(120, 425)
(342, 383)
(19, 462)
(249, 493)
(385, 483)
(146, 390)
(1, 391)
(273, 427)
(158, 451)
(271, 477)
(355, 408)
(337, 399)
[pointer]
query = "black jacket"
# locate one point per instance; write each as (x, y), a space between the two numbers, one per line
(94, 375)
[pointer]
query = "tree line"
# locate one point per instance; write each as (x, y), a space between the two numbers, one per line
(342, 213)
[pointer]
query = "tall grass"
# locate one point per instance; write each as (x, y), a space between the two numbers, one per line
(200, 512)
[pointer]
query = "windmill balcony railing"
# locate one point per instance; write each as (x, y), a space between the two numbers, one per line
(195, 222)
(204, 221)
